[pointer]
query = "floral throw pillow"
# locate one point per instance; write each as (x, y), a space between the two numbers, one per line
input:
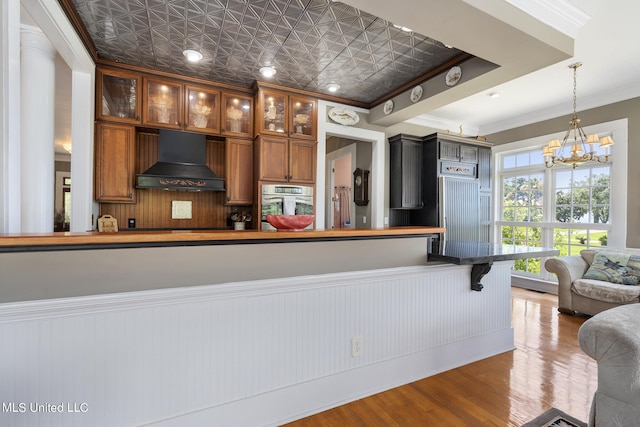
(615, 268)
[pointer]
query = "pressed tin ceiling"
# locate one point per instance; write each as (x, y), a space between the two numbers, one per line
(311, 43)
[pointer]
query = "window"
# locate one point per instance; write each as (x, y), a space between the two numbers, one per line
(561, 207)
(573, 216)
(522, 203)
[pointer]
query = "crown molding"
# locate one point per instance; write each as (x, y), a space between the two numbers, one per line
(562, 15)
(449, 126)
(619, 94)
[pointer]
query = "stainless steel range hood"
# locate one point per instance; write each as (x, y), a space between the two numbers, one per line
(181, 164)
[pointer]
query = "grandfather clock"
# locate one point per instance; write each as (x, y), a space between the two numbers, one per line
(361, 187)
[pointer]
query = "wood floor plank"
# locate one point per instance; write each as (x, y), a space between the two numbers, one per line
(546, 369)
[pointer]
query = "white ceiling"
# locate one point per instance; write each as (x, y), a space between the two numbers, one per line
(607, 45)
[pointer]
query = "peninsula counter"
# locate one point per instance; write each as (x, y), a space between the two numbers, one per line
(234, 328)
(58, 265)
(140, 239)
(482, 255)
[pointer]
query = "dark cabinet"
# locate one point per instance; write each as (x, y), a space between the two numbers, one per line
(406, 178)
(457, 152)
(441, 180)
(484, 168)
(484, 187)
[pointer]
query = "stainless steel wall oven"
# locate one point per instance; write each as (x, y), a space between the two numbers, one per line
(278, 199)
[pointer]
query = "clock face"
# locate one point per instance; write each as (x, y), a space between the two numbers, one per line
(358, 180)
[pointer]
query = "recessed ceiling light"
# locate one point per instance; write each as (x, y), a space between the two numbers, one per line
(405, 29)
(192, 55)
(494, 94)
(267, 71)
(332, 87)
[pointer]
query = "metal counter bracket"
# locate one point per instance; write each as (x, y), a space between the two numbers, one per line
(478, 271)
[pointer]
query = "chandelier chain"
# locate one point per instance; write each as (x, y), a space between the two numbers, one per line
(575, 88)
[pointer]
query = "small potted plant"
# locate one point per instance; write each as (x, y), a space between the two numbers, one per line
(239, 219)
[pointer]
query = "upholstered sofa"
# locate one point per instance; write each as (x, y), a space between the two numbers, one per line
(589, 295)
(612, 338)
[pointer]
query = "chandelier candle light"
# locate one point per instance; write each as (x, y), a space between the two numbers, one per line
(554, 152)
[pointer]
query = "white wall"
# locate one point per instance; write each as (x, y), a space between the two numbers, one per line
(244, 354)
(378, 160)
(50, 17)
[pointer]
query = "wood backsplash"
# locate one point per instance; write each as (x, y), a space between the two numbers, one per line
(153, 207)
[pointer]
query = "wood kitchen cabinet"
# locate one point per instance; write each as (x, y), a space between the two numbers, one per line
(302, 161)
(118, 95)
(115, 163)
(239, 171)
(304, 116)
(237, 115)
(163, 103)
(285, 160)
(282, 114)
(202, 109)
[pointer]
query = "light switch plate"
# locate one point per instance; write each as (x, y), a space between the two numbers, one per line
(180, 209)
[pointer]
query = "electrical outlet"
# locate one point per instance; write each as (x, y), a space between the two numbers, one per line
(364, 219)
(356, 346)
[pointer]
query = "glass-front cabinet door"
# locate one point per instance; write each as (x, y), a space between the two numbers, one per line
(203, 110)
(237, 115)
(163, 104)
(118, 96)
(273, 117)
(302, 123)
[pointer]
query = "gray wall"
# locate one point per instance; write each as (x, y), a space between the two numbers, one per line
(59, 274)
(630, 110)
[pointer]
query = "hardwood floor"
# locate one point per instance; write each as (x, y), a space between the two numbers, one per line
(546, 369)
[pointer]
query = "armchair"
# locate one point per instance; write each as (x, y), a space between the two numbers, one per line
(612, 338)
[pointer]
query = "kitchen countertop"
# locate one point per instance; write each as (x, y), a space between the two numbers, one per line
(482, 255)
(466, 253)
(132, 239)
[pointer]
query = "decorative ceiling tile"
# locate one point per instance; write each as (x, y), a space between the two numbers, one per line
(310, 42)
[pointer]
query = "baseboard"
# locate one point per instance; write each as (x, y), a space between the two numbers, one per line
(298, 401)
(535, 284)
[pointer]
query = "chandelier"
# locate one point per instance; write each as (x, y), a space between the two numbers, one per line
(581, 146)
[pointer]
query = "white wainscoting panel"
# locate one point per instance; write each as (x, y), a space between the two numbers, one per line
(228, 354)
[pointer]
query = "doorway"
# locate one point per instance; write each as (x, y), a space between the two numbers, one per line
(370, 156)
(339, 198)
(62, 200)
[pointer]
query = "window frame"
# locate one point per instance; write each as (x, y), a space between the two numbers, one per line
(618, 196)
